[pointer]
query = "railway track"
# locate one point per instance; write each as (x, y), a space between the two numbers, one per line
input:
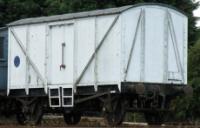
(81, 126)
(57, 122)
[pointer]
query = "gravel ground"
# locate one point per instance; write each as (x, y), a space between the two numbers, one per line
(57, 122)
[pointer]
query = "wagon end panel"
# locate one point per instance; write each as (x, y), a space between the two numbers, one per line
(131, 45)
(154, 45)
(177, 48)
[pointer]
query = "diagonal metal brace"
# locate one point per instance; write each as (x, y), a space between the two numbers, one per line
(174, 41)
(93, 97)
(96, 50)
(28, 57)
(133, 45)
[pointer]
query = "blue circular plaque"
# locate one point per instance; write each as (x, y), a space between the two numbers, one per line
(17, 61)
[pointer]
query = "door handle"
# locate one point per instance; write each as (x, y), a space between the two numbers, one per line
(62, 66)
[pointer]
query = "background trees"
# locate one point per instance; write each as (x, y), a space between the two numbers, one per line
(11, 10)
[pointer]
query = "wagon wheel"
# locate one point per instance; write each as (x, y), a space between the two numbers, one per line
(21, 118)
(115, 114)
(72, 118)
(20, 115)
(32, 115)
(36, 114)
(154, 118)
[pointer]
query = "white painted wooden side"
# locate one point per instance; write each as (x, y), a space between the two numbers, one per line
(36, 49)
(108, 65)
(17, 76)
(85, 46)
(157, 37)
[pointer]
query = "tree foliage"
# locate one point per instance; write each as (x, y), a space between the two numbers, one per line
(188, 107)
(11, 10)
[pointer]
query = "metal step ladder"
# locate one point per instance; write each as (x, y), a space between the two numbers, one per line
(67, 96)
(61, 96)
(54, 97)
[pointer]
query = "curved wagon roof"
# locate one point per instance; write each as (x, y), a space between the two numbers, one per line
(68, 16)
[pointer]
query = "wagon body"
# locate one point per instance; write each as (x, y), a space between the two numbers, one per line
(111, 48)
